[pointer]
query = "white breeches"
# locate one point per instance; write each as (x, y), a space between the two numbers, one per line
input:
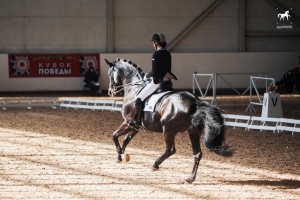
(148, 90)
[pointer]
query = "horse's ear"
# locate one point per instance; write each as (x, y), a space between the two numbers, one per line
(109, 63)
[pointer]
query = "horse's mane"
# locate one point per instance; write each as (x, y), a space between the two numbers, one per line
(132, 65)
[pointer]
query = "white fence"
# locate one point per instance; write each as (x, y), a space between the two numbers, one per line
(76, 104)
(253, 81)
(29, 102)
(213, 80)
(236, 121)
(211, 84)
(278, 125)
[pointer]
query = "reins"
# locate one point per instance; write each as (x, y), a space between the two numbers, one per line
(128, 85)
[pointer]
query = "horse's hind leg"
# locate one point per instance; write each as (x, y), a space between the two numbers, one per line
(195, 140)
(170, 150)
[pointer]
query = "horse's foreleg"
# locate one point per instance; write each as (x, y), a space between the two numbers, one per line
(195, 139)
(121, 131)
(170, 150)
(128, 138)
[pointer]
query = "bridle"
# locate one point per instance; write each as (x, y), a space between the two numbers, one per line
(115, 89)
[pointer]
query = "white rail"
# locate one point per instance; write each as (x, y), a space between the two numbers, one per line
(29, 102)
(76, 104)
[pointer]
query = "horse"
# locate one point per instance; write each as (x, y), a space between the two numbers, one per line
(175, 112)
(282, 16)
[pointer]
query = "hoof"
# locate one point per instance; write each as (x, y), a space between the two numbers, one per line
(119, 159)
(155, 169)
(126, 157)
(188, 181)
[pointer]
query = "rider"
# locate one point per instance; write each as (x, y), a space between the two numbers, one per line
(161, 65)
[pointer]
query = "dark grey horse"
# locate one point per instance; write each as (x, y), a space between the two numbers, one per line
(175, 112)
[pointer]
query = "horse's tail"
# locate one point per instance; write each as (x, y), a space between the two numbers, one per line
(213, 121)
(279, 15)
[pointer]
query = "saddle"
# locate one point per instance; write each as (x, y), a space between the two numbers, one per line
(164, 89)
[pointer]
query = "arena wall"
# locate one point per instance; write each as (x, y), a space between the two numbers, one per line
(184, 65)
(85, 26)
(232, 36)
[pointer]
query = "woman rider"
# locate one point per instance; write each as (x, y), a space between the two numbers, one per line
(161, 65)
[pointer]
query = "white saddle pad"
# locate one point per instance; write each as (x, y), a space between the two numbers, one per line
(150, 105)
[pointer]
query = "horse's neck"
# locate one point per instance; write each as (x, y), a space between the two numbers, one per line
(131, 92)
(129, 79)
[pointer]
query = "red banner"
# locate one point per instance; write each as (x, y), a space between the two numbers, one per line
(52, 65)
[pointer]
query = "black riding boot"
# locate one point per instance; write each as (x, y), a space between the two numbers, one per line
(138, 112)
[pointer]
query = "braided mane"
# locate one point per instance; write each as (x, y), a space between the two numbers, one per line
(133, 66)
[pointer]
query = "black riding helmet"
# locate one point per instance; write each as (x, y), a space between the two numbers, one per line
(158, 37)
